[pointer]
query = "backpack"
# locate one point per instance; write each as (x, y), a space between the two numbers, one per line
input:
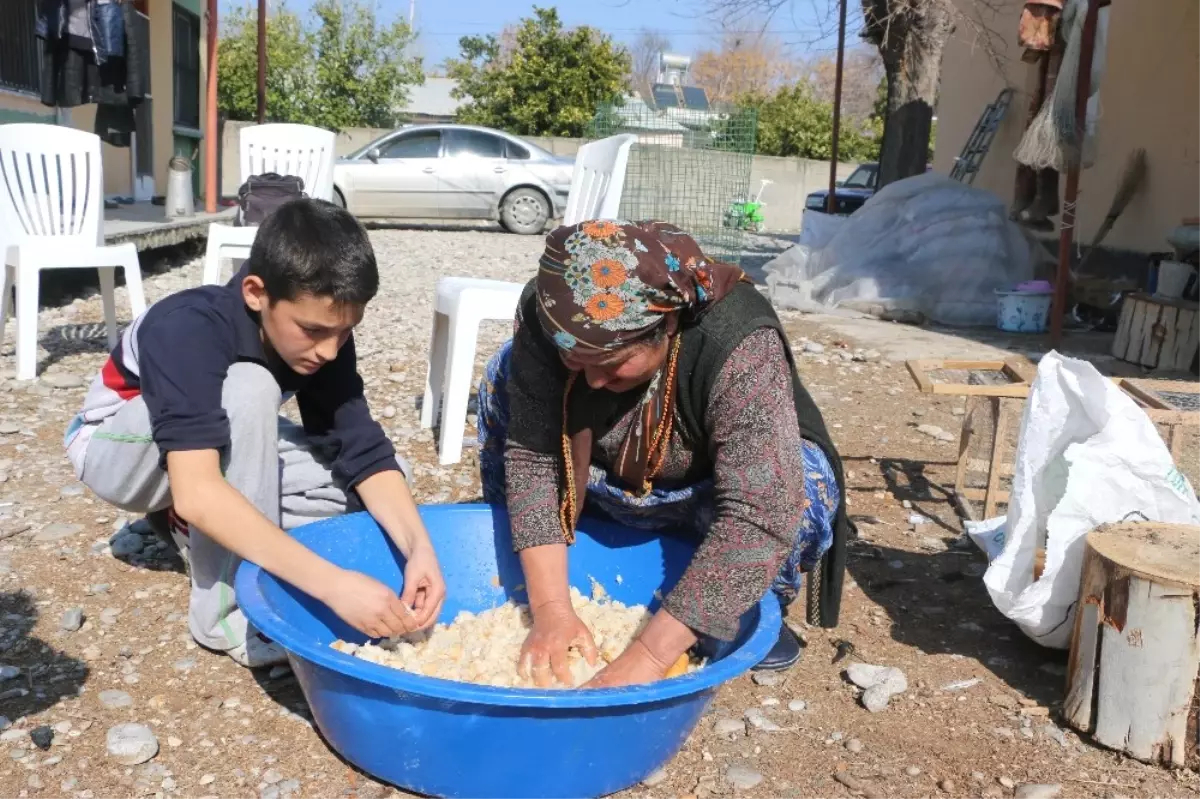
(260, 195)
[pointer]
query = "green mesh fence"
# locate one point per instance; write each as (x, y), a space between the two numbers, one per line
(688, 168)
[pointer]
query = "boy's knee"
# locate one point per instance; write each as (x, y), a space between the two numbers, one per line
(251, 395)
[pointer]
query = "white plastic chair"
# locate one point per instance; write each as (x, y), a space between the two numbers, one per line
(51, 207)
(300, 150)
(598, 179)
(463, 302)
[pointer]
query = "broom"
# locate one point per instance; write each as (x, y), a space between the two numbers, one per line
(1131, 182)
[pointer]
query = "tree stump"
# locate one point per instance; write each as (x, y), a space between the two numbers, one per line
(1134, 671)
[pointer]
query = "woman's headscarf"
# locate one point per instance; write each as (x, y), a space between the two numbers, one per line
(603, 285)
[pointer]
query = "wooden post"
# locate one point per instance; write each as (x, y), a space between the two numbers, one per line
(262, 62)
(1066, 231)
(831, 201)
(212, 129)
(1135, 652)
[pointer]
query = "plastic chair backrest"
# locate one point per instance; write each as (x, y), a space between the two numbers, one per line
(598, 179)
(51, 184)
(287, 149)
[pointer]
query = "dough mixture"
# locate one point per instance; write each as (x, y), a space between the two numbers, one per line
(484, 648)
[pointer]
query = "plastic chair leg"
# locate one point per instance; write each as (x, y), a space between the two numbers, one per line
(133, 281)
(212, 256)
(108, 297)
(457, 391)
(27, 321)
(8, 281)
(435, 375)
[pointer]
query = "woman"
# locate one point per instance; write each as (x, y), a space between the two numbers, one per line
(654, 386)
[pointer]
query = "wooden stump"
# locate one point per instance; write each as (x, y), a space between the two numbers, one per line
(1157, 333)
(1134, 669)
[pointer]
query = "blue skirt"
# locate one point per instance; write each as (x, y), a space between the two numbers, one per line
(689, 508)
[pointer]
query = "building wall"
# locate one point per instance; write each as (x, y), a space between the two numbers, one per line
(1149, 97)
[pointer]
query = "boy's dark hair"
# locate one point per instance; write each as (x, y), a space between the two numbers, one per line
(313, 247)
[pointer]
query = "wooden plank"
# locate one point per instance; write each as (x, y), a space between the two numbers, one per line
(980, 495)
(919, 371)
(1121, 341)
(1148, 353)
(1166, 325)
(998, 444)
(1021, 370)
(1011, 391)
(1182, 343)
(1146, 398)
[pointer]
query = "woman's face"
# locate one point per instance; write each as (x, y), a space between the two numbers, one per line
(620, 370)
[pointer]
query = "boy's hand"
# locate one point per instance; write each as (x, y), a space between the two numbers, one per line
(424, 588)
(369, 606)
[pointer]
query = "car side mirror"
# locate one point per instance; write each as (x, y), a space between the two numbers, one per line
(373, 154)
(839, 184)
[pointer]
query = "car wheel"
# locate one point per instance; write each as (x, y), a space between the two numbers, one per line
(338, 199)
(525, 211)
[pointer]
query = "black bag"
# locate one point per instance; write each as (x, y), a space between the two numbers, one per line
(260, 195)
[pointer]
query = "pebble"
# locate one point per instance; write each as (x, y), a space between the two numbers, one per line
(272, 776)
(207, 779)
(767, 679)
(947, 785)
(912, 771)
(810, 347)
(8, 428)
(743, 778)
(62, 380)
(7, 672)
(879, 684)
(57, 532)
(854, 745)
(73, 490)
(184, 664)
(978, 776)
(114, 699)
(42, 737)
(1037, 791)
(277, 672)
(71, 620)
(125, 544)
(98, 588)
(961, 685)
(933, 431)
(174, 742)
(1055, 734)
(728, 728)
(1005, 701)
(657, 777)
(131, 744)
(759, 721)
(389, 412)
(797, 706)
(1007, 783)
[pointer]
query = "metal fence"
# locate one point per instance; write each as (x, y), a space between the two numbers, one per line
(689, 168)
(20, 49)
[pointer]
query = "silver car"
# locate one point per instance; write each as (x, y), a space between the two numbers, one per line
(454, 172)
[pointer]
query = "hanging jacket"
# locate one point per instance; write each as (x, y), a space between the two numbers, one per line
(108, 30)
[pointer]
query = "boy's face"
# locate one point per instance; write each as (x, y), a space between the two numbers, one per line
(305, 333)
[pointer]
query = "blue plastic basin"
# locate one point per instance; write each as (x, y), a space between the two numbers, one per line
(453, 739)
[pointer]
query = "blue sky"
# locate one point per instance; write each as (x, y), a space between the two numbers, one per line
(804, 24)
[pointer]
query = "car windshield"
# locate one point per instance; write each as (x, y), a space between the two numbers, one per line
(861, 178)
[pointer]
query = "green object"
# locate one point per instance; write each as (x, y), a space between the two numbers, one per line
(747, 214)
(542, 80)
(689, 168)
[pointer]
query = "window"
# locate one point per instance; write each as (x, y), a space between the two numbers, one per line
(474, 143)
(516, 152)
(20, 49)
(861, 178)
(186, 32)
(419, 144)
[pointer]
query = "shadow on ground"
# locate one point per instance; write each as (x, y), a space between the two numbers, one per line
(44, 675)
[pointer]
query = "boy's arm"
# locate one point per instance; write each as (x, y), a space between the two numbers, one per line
(203, 497)
(387, 498)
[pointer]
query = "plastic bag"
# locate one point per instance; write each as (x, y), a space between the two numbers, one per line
(926, 244)
(1087, 455)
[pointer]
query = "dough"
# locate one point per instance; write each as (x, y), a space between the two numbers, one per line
(484, 648)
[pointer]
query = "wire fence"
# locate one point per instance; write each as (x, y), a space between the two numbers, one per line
(689, 167)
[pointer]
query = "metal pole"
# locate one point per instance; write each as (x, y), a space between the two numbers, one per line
(831, 204)
(412, 13)
(210, 112)
(1066, 232)
(262, 61)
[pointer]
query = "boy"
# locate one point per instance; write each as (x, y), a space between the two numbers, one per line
(185, 416)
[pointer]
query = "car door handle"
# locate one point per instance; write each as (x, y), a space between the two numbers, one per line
(428, 170)
(500, 169)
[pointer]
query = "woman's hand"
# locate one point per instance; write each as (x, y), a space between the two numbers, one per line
(556, 629)
(634, 666)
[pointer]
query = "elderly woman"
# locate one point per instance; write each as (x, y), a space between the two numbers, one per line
(653, 386)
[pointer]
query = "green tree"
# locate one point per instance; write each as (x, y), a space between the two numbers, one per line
(346, 70)
(793, 122)
(542, 81)
(361, 70)
(287, 71)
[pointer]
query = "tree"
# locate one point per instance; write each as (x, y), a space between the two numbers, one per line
(347, 70)
(287, 73)
(548, 84)
(910, 36)
(862, 75)
(645, 55)
(794, 122)
(742, 64)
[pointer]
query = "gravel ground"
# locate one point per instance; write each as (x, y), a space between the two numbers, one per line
(104, 694)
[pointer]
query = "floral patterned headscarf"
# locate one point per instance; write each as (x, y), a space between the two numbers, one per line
(606, 283)
(603, 285)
